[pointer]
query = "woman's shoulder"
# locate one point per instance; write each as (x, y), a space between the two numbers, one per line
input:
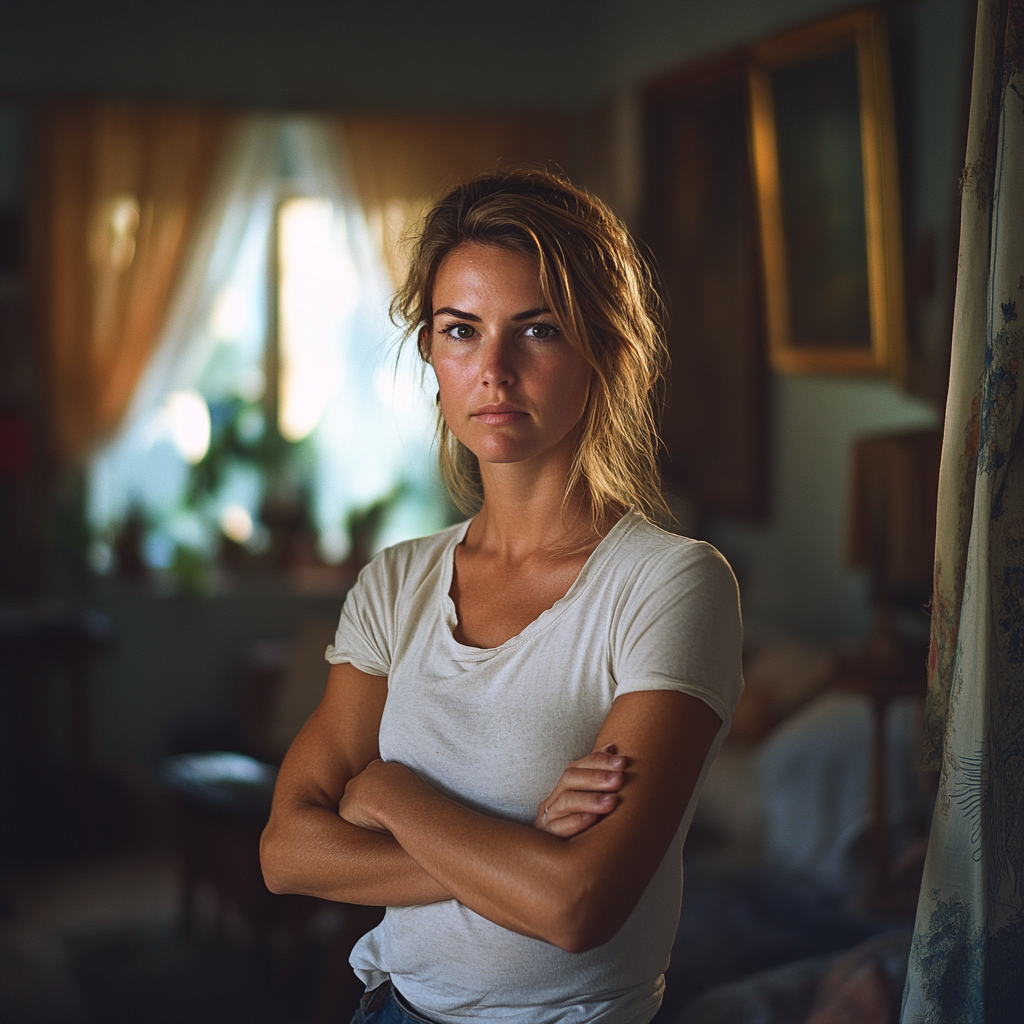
(677, 621)
(408, 558)
(645, 544)
(402, 573)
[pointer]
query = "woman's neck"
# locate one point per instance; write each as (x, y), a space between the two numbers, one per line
(522, 516)
(521, 554)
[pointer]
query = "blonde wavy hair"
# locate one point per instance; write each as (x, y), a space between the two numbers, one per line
(600, 291)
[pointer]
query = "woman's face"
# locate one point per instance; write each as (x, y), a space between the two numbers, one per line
(512, 386)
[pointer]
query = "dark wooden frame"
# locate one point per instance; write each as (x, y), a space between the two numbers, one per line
(715, 426)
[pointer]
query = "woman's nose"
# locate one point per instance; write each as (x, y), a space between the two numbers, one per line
(496, 368)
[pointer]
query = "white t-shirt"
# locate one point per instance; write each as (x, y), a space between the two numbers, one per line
(495, 728)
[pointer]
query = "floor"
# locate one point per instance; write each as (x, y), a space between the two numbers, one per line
(47, 904)
(98, 941)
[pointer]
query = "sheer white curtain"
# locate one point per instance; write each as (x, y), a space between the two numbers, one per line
(367, 413)
(375, 429)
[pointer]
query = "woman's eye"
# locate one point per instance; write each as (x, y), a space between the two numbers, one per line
(542, 331)
(460, 332)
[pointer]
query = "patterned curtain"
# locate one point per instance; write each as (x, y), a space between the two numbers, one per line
(967, 957)
(119, 187)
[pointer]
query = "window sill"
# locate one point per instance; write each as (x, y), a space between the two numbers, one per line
(316, 581)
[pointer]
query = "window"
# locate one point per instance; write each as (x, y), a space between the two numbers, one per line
(276, 420)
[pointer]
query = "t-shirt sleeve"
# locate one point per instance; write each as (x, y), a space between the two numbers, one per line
(681, 629)
(363, 636)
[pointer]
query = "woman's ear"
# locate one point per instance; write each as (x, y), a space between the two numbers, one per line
(423, 343)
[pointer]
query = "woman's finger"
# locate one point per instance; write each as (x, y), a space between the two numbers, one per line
(580, 789)
(586, 801)
(572, 825)
(604, 759)
(590, 779)
(573, 802)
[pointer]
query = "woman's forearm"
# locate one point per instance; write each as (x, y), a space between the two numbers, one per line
(517, 876)
(306, 847)
(310, 850)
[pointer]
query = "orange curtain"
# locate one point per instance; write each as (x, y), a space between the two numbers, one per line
(119, 190)
(401, 162)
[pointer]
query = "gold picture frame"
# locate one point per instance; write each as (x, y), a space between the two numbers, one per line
(831, 241)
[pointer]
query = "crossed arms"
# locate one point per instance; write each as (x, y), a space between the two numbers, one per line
(347, 826)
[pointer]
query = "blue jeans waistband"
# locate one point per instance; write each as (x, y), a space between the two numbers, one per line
(384, 1005)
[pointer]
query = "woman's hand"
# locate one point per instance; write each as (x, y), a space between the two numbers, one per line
(586, 792)
(307, 847)
(363, 792)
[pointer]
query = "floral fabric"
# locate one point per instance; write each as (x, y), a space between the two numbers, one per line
(968, 945)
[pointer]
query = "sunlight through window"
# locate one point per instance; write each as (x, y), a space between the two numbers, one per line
(236, 523)
(230, 313)
(317, 291)
(188, 422)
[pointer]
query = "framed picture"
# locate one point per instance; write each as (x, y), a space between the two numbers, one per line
(824, 153)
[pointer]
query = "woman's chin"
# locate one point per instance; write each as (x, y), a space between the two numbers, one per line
(500, 451)
(505, 450)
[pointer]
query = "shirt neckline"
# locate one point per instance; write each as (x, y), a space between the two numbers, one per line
(591, 568)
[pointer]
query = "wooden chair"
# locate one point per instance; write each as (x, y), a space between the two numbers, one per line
(223, 801)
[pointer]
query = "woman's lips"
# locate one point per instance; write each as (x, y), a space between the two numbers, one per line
(498, 415)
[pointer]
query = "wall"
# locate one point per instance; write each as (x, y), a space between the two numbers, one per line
(388, 54)
(644, 38)
(932, 46)
(792, 575)
(170, 681)
(12, 157)
(21, 405)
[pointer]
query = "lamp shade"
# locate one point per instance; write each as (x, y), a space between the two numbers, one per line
(892, 510)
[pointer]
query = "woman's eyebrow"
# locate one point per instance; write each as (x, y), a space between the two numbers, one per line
(450, 311)
(531, 313)
(528, 314)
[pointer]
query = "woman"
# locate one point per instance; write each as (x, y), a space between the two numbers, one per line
(556, 627)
